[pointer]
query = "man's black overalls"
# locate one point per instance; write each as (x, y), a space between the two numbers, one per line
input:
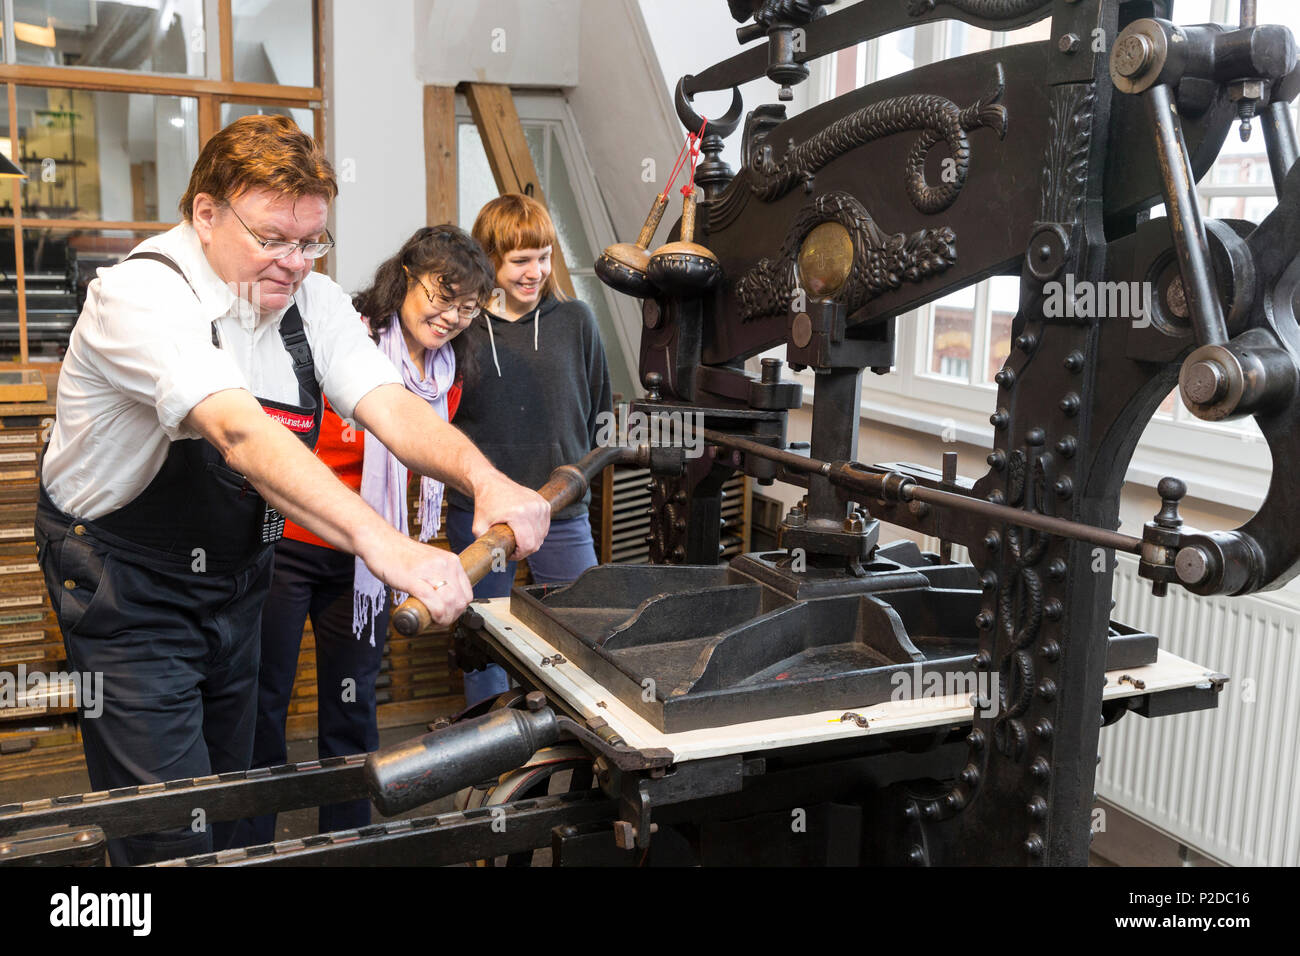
(164, 598)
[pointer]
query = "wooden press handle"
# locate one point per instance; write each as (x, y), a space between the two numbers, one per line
(652, 221)
(566, 485)
(688, 218)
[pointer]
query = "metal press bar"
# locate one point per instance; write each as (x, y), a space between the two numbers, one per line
(149, 807)
(1280, 140)
(428, 841)
(1185, 220)
(877, 485)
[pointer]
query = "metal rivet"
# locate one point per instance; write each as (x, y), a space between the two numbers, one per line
(1074, 361)
(916, 855)
(1047, 689)
(1026, 342)
(1067, 446)
(1068, 43)
(1034, 845)
(909, 811)
(970, 774)
(988, 580)
(983, 660)
(997, 459)
(1039, 769)
(1053, 609)
(954, 800)
(976, 739)
(1006, 377)
(992, 540)
(1052, 650)
(1056, 569)
(1064, 487)
(1043, 729)
(1037, 808)
(984, 620)
(999, 419)
(1070, 404)
(79, 529)
(69, 584)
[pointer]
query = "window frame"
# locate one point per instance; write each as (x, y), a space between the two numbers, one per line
(211, 91)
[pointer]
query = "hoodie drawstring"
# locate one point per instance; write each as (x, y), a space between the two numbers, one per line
(537, 323)
(492, 339)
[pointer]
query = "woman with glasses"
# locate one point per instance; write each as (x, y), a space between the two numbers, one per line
(535, 381)
(419, 300)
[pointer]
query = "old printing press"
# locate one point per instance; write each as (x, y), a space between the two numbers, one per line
(700, 706)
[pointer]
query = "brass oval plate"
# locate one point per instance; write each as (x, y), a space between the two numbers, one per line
(826, 259)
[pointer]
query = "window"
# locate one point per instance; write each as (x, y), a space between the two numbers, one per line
(105, 108)
(580, 220)
(140, 37)
(949, 351)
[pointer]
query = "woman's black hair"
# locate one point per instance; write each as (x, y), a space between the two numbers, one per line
(449, 254)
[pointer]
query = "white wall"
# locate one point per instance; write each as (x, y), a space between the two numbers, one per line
(623, 113)
(516, 42)
(691, 35)
(621, 106)
(378, 133)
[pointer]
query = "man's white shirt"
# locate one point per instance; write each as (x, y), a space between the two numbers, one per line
(141, 358)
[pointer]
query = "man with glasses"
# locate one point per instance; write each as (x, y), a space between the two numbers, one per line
(188, 404)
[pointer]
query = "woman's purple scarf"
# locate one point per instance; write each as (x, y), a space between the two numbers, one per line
(383, 477)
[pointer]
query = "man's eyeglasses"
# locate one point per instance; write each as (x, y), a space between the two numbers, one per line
(467, 311)
(283, 248)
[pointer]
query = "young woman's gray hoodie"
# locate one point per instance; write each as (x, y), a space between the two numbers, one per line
(532, 392)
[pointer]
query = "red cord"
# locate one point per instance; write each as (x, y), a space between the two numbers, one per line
(692, 144)
(696, 139)
(681, 154)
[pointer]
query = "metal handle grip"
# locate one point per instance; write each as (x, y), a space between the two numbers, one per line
(410, 774)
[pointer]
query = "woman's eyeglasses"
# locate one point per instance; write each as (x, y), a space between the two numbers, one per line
(283, 248)
(466, 311)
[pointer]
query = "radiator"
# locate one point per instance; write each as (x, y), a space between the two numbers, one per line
(1222, 781)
